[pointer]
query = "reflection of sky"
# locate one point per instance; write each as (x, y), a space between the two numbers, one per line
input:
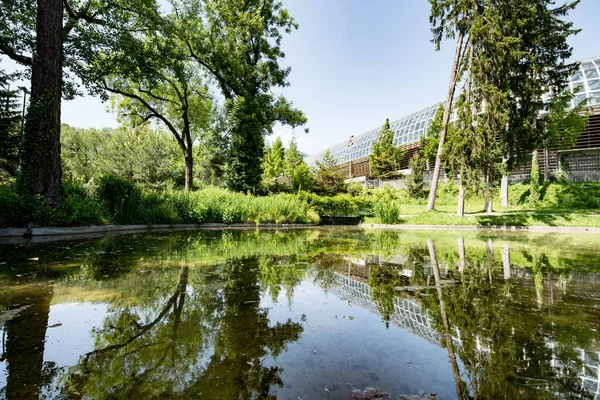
(66, 343)
(345, 347)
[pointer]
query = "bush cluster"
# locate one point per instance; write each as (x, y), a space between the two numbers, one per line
(113, 200)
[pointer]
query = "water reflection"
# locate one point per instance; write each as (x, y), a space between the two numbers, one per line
(197, 314)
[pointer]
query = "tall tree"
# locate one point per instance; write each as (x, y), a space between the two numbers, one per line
(293, 157)
(239, 43)
(42, 35)
(448, 18)
(531, 58)
(172, 94)
(328, 177)
(385, 158)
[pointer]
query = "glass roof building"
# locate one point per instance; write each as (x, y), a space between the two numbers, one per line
(407, 130)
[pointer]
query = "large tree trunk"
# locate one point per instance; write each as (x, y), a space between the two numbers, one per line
(25, 340)
(460, 210)
(488, 194)
(40, 169)
(445, 120)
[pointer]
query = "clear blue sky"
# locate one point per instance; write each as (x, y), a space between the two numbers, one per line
(356, 63)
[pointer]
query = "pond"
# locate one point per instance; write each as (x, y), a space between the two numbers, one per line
(307, 314)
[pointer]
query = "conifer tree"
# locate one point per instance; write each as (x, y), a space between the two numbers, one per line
(385, 158)
(293, 158)
(273, 161)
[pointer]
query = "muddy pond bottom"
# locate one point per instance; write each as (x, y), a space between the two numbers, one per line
(309, 314)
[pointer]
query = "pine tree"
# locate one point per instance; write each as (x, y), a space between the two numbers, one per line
(385, 158)
(329, 179)
(273, 161)
(293, 158)
(414, 181)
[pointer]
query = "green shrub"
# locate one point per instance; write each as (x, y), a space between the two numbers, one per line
(339, 205)
(77, 208)
(355, 189)
(387, 205)
(122, 199)
(223, 206)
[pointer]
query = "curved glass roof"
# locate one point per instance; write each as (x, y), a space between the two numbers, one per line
(585, 82)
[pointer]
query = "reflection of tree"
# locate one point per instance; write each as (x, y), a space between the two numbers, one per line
(280, 272)
(24, 347)
(383, 281)
(201, 339)
(504, 347)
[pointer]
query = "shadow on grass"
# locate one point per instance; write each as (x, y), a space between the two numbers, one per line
(522, 219)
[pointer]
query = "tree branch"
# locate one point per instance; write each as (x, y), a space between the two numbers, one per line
(154, 112)
(219, 77)
(13, 55)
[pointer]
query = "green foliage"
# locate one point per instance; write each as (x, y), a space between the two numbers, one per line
(355, 189)
(559, 196)
(414, 181)
(293, 158)
(339, 205)
(144, 156)
(241, 50)
(223, 206)
(328, 178)
(302, 178)
(78, 208)
(273, 160)
(429, 142)
(9, 129)
(121, 198)
(385, 158)
(387, 206)
(561, 125)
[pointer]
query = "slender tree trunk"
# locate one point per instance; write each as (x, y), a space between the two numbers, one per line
(461, 189)
(488, 193)
(546, 164)
(504, 186)
(447, 335)
(445, 120)
(460, 211)
(534, 185)
(504, 191)
(506, 261)
(189, 170)
(40, 171)
(461, 255)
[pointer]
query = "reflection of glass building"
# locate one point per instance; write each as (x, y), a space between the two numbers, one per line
(585, 82)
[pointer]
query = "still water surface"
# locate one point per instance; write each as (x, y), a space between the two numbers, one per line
(309, 314)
